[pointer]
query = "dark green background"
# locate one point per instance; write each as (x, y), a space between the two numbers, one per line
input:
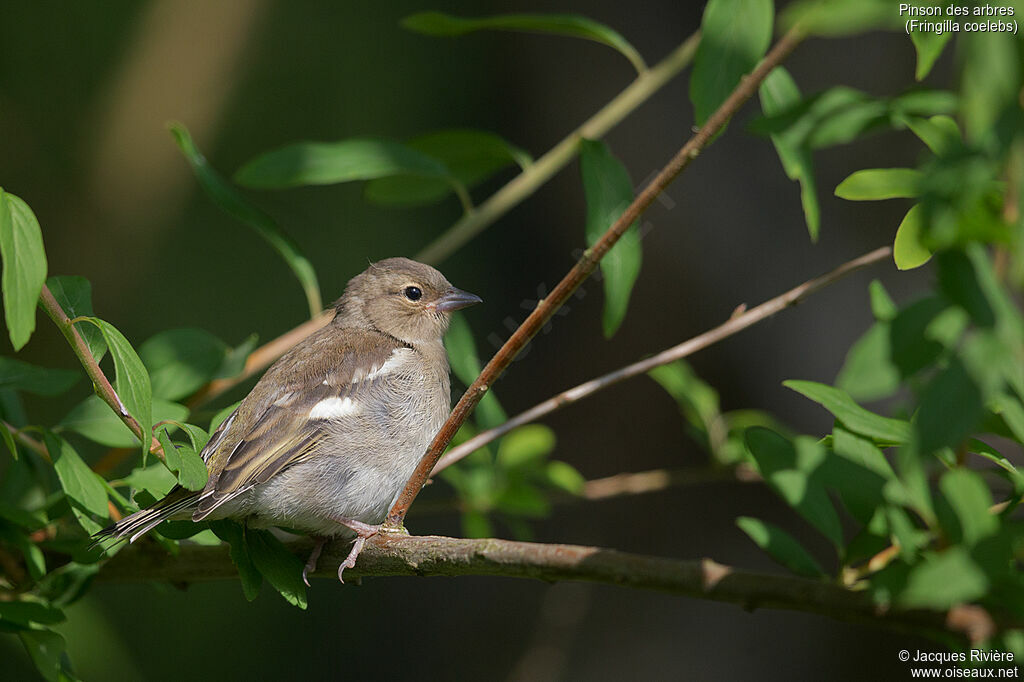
(85, 92)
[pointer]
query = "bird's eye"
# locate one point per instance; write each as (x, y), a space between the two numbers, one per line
(413, 293)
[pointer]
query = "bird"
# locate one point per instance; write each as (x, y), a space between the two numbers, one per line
(328, 437)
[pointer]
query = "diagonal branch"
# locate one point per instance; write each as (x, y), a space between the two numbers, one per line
(732, 326)
(591, 257)
(92, 368)
(394, 554)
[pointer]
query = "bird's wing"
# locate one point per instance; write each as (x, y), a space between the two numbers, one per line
(281, 421)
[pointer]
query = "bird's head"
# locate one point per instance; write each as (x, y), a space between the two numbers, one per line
(408, 300)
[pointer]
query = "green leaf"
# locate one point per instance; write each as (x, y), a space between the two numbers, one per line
(985, 450)
(46, 649)
(912, 348)
(862, 452)
(27, 612)
(608, 192)
(21, 376)
(882, 306)
(525, 445)
(180, 361)
(734, 37)
(235, 535)
(80, 483)
(868, 372)
(781, 546)
(24, 261)
(466, 367)
(939, 133)
(960, 285)
(234, 360)
(565, 477)
(942, 422)
(8, 439)
(990, 80)
(839, 17)
(880, 183)
(156, 479)
(131, 379)
(791, 469)
(523, 499)
(222, 415)
(281, 568)
(234, 204)
(97, 422)
(970, 499)
(908, 252)
(184, 461)
(471, 156)
(74, 294)
(328, 163)
(929, 46)
(571, 25)
(855, 417)
(779, 93)
(944, 580)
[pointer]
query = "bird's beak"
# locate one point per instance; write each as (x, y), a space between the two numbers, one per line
(456, 299)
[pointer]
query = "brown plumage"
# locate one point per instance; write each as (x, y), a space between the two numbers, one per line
(326, 439)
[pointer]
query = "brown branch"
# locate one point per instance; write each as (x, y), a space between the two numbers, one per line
(736, 323)
(92, 369)
(591, 257)
(394, 554)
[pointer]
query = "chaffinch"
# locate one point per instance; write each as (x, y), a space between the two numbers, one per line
(327, 438)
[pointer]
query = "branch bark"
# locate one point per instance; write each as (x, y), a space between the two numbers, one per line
(591, 257)
(735, 324)
(402, 555)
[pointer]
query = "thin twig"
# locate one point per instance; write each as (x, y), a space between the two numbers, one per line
(558, 157)
(92, 369)
(732, 326)
(394, 554)
(591, 257)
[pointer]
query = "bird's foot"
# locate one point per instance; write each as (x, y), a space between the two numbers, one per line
(310, 567)
(363, 531)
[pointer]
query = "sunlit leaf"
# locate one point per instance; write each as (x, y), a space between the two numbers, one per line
(466, 367)
(572, 25)
(880, 183)
(929, 46)
(80, 483)
(781, 546)
(734, 37)
(96, 421)
(779, 93)
(907, 250)
(525, 445)
(281, 568)
(855, 417)
(970, 500)
(943, 580)
(24, 261)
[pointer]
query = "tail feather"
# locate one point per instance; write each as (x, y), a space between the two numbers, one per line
(132, 527)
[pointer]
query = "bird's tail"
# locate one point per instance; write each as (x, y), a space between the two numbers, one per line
(132, 527)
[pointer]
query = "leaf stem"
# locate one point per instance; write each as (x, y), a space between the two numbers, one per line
(99, 380)
(733, 325)
(546, 309)
(558, 157)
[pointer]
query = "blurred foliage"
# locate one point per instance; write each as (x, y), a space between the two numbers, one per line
(916, 499)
